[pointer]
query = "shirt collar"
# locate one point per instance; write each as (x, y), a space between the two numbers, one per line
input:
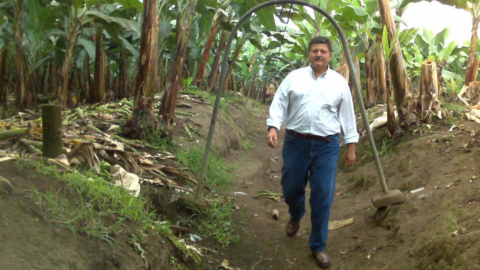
(321, 75)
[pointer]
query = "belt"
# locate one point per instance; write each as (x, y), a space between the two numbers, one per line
(308, 136)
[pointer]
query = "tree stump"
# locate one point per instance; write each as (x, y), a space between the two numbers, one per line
(52, 130)
(471, 93)
(429, 91)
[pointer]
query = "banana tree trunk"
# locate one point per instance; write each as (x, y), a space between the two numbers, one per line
(144, 90)
(232, 64)
(368, 70)
(208, 46)
(429, 91)
(44, 80)
(216, 62)
(401, 83)
(264, 94)
(99, 76)
(21, 80)
(380, 79)
(52, 79)
(81, 83)
(356, 64)
(169, 100)
(471, 71)
(114, 89)
(391, 125)
(3, 79)
(234, 84)
(123, 90)
(62, 93)
(476, 65)
(108, 80)
(252, 62)
(88, 80)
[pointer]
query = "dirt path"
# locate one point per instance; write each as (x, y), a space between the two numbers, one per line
(436, 228)
(263, 243)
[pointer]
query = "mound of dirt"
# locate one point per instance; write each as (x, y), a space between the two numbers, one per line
(31, 242)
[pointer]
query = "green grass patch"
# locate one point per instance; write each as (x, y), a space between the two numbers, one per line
(385, 149)
(454, 111)
(99, 209)
(246, 143)
(453, 87)
(218, 173)
(216, 221)
(91, 205)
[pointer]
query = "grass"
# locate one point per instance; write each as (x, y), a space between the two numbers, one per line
(452, 87)
(385, 149)
(246, 143)
(454, 110)
(218, 173)
(100, 210)
(155, 140)
(216, 221)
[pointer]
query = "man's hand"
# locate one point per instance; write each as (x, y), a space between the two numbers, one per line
(272, 138)
(351, 157)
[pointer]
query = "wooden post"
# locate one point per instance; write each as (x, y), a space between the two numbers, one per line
(52, 130)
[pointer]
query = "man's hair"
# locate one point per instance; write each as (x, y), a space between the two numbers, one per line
(320, 40)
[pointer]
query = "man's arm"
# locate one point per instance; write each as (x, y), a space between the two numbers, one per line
(272, 137)
(278, 112)
(349, 125)
(351, 157)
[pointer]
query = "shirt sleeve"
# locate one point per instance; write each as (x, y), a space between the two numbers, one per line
(278, 108)
(347, 117)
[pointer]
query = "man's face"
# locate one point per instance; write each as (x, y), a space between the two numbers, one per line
(319, 56)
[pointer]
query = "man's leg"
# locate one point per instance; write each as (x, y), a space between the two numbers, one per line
(322, 183)
(296, 162)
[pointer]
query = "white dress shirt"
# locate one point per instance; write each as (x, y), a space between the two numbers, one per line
(320, 106)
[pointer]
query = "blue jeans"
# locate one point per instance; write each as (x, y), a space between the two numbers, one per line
(315, 160)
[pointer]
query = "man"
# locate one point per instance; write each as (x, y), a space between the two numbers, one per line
(316, 103)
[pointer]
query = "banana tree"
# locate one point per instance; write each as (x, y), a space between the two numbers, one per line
(220, 14)
(473, 7)
(401, 82)
(169, 99)
(77, 14)
(216, 62)
(6, 38)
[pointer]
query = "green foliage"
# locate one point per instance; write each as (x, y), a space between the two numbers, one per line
(176, 265)
(386, 149)
(187, 83)
(216, 221)
(246, 143)
(99, 209)
(218, 173)
(452, 87)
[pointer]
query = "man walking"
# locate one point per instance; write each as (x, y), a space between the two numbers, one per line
(316, 103)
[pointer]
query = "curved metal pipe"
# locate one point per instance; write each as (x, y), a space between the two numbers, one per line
(352, 73)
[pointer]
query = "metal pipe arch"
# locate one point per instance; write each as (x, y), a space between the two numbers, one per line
(225, 67)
